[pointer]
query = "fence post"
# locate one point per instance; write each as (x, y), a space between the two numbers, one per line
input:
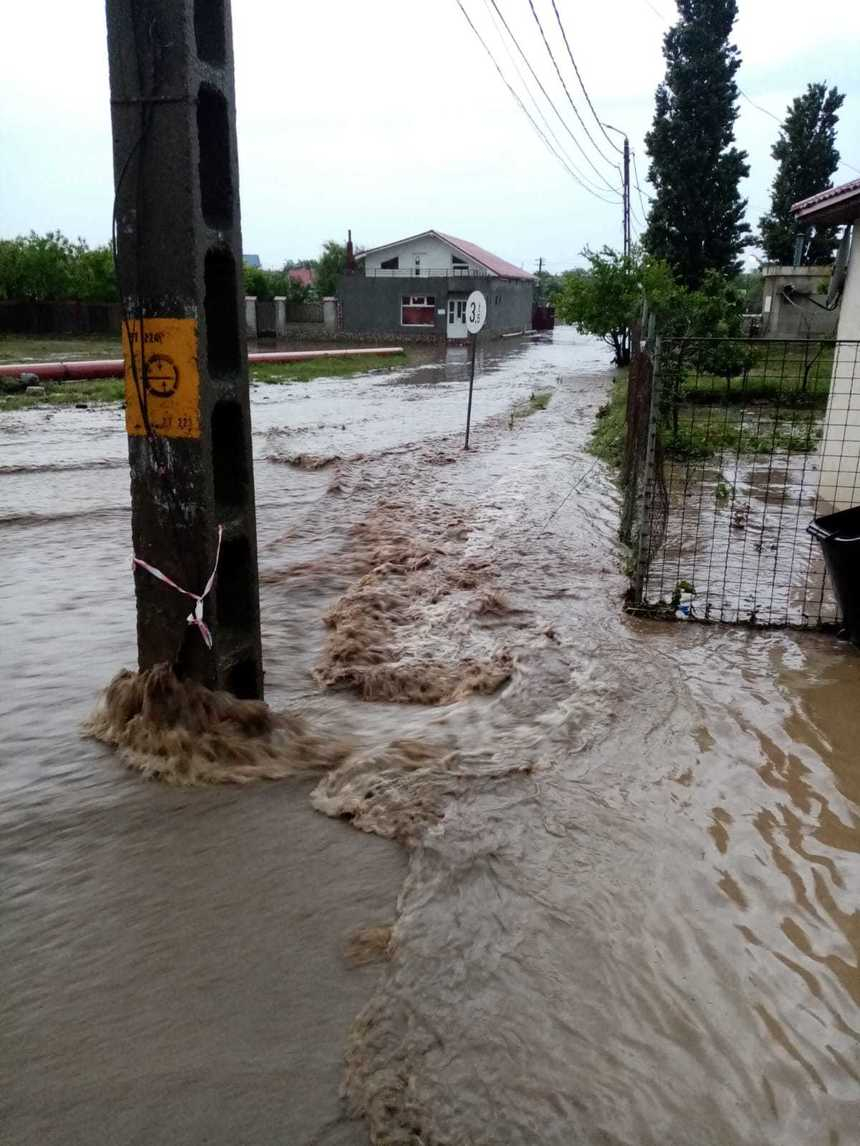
(329, 309)
(645, 488)
(251, 316)
(280, 316)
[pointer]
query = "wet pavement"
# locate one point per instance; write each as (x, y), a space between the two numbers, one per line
(628, 911)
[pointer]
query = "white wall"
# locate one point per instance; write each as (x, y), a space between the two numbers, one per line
(435, 257)
(839, 452)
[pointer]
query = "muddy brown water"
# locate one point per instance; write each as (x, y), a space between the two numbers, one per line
(636, 921)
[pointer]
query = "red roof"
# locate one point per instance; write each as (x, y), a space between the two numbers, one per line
(835, 205)
(303, 275)
(471, 250)
(487, 258)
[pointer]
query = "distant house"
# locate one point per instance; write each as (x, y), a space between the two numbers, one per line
(306, 276)
(417, 288)
(252, 261)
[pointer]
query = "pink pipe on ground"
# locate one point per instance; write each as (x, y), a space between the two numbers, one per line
(113, 367)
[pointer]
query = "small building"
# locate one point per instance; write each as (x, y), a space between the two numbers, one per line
(839, 452)
(304, 276)
(417, 288)
(251, 261)
(793, 303)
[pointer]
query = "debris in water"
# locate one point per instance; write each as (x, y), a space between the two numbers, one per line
(492, 603)
(183, 733)
(369, 945)
(377, 626)
(307, 461)
(401, 790)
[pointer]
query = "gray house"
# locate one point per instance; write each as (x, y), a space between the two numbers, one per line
(416, 289)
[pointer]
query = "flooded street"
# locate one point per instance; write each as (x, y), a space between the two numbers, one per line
(626, 911)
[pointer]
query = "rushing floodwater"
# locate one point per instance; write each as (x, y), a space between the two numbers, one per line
(649, 936)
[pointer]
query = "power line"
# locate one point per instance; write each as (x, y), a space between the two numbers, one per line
(583, 178)
(638, 188)
(567, 93)
(581, 84)
(548, 98)
(758, 107)
(526, 110)
(776, 119)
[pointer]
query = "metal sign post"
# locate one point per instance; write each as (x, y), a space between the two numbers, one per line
(476, 316)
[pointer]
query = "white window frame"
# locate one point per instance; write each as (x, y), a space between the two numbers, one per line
(424, 300)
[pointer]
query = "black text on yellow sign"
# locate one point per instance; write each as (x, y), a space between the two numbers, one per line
(170, 381)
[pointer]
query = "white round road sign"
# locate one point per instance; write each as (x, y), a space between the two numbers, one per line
(476, 312)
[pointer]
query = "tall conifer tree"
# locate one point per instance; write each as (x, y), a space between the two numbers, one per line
(697, 220)
(807, 157)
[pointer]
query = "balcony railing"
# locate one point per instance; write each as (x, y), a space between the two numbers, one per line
(425, 273)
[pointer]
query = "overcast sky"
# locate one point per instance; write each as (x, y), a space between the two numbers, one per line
(387, 116)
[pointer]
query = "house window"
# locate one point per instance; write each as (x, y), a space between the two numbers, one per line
(417, 310)
(390, 264)
(460, 266)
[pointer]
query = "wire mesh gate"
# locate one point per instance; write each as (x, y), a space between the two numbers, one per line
(733, 446)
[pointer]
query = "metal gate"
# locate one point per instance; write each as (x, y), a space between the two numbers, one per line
(734, 445)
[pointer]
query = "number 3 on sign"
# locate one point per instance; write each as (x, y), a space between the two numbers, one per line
(476, 312)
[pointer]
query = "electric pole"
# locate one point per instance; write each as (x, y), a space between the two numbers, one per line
(178, 251)
(626, 197)
(625, 190)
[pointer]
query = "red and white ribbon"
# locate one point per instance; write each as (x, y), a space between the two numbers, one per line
(195, 617)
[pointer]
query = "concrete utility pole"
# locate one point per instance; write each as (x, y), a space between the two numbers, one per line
(625, 194)
(179, 261)
(627, 243)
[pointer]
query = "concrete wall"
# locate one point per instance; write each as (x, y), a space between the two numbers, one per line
(434, 254)
(373, 304)
(799, 318)
(839, 453)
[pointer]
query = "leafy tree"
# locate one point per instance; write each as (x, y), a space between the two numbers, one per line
(547, 287)
(330, 266)
(257, 283)
(274, 284)
(696, 222)
(807, 157)
(93, 274)
(50, 266)
(607, 298)
(751, 285)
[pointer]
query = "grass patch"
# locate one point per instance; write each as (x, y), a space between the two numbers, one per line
(99, 390)
(280, 372)
(610, 431)
(68, 394)
(537, 400)
(692, 442)
(23, 348)
(793, 378)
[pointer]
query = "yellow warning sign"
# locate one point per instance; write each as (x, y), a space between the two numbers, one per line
(165, 377)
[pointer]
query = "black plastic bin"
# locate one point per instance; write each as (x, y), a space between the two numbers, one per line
(839, 535)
